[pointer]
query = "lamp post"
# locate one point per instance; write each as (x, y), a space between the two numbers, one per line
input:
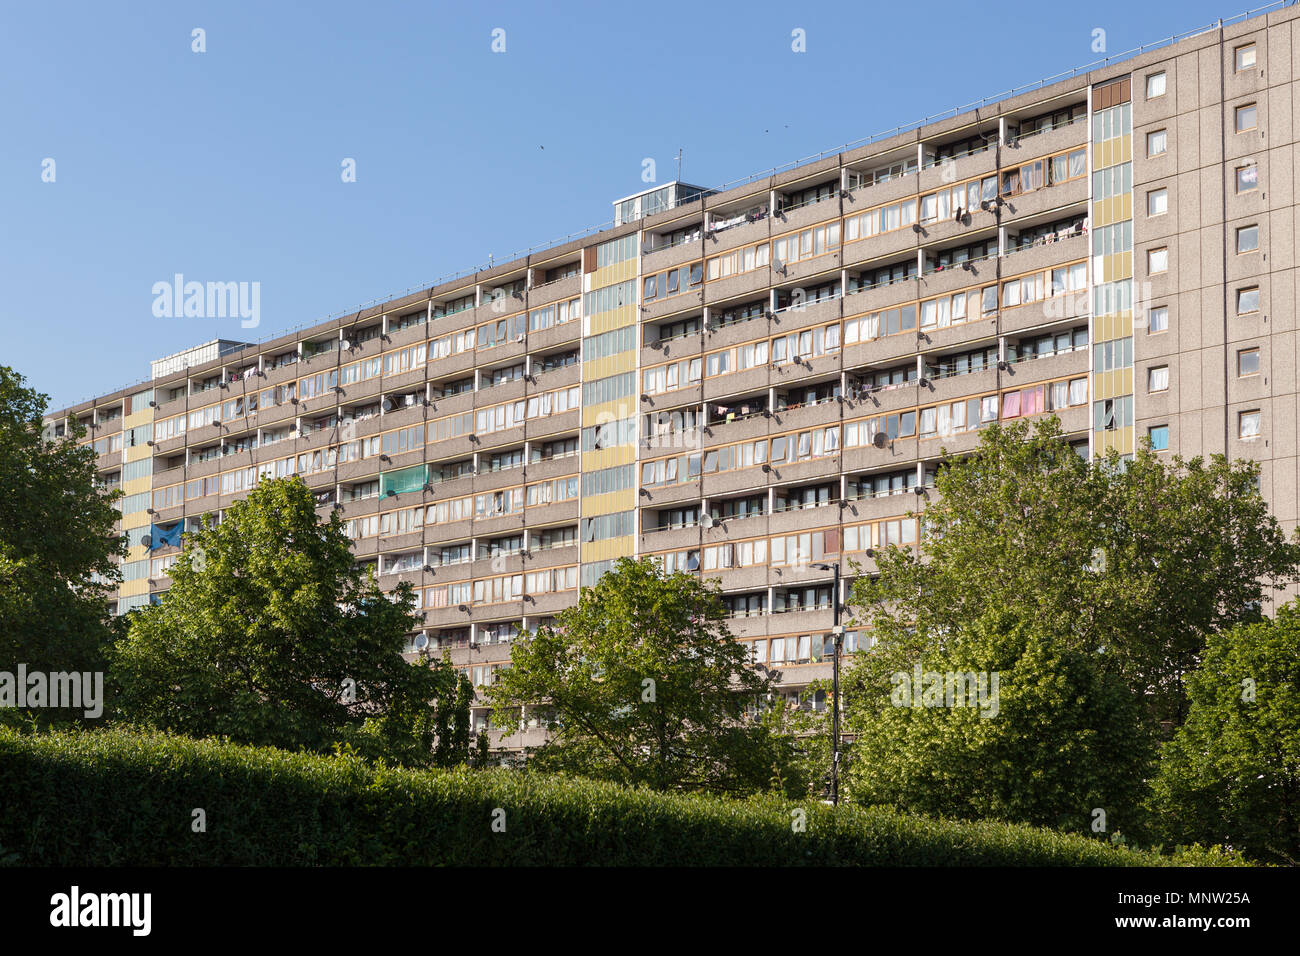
(837, 632)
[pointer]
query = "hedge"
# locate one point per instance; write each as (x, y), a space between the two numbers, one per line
(113, 798)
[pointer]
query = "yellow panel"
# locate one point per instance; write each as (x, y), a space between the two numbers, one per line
(613, 275)
(1125, 149)
(133, 588)
(611, 319)
(1120, 439)
(1125, 203)
(608, 457)
(608, 550)
(1113, 384)
(611, 502)
(136, 486)
(615, 364)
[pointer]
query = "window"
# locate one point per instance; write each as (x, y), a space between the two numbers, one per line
(1247, 117)
(1248, 300)
(1248, 362)
(1247, 239)
(1155, 85)
(1159, 435)
(1158, 378)
(1245, 57)
(1157, 260)
(1157, 202)
(1158, 319)
(1247, 177)
(1248, 424)
(1157, 142)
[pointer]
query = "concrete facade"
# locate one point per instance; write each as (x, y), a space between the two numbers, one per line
(498, 422)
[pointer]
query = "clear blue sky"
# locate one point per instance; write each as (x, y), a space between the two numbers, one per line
(225, 165)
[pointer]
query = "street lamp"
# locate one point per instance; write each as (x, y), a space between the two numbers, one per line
(837, 631)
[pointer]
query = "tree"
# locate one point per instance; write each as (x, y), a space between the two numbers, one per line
(1001, 721)
(645, 686)
(1232, 772)
(271, 635)
(57, 543)
(1138, 561)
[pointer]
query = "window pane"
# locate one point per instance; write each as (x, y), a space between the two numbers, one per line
(1247, 239)
(1249, 424)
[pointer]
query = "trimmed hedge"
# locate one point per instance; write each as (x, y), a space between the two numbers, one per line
(113, 798)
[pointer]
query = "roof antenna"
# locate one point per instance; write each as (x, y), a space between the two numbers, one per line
(679, 165)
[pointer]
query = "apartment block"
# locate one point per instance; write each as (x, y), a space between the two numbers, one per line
(755, 383)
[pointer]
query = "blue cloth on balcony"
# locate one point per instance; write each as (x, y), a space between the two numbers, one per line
(169, 536)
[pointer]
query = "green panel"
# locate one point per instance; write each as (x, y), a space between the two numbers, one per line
(408, 479)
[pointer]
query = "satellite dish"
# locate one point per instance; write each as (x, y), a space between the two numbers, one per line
(880, 440)
(707, 521)
(346, 345)
(147, 541)
(422, 642)
(387, 405)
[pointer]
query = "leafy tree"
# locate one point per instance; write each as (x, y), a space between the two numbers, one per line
(1232, 772)
(1138, 561)
(1030, 731)
(57, 543)
(646, 686)
(271, 635)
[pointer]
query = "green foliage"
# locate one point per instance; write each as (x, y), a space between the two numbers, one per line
(1232, 772)
(271, 635)
(57, 544)
(1052, 739)
(645, 685)
(114, 798)
(1137, 561)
